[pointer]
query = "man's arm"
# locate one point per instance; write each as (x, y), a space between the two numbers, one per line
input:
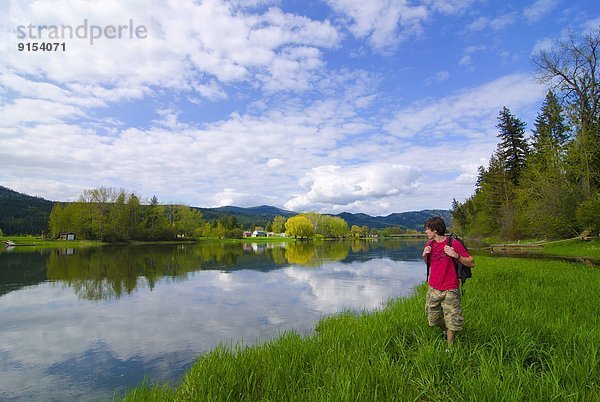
(466, 261)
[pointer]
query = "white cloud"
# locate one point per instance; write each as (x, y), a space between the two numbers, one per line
(383, 23)
(479, 24)
(462, 114)
(229, 196)
(275, 163)
(592, 25)
(337, 186)
(496, 24)
(542, 44)
(442, 76)
(438, 77)
(539, 9)
(27, 110)
(465, 60)
(449, 6)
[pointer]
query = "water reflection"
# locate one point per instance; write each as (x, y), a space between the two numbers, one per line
(109, 273)
(97, 320)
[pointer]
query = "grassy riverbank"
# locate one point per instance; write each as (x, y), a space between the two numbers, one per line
(574, 248)
(26, 242)
(536, 338)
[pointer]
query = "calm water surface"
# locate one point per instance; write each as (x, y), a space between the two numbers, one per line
(86, 324)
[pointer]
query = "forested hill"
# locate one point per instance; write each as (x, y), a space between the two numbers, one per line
(406, 220)
(263, 214)
(23, 214)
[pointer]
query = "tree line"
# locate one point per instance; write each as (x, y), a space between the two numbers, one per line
(113, 215)
(547, 184)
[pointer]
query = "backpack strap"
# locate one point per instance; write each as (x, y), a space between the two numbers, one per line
(430, 244)
(457, 268)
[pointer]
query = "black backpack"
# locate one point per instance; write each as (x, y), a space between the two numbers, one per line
(462, 271)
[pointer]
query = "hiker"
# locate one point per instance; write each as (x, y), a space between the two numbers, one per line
(443, 303)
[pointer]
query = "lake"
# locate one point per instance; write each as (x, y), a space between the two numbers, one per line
(85, 324)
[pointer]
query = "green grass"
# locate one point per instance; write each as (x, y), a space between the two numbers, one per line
(32, 242)
(575, 248)
(532, 333)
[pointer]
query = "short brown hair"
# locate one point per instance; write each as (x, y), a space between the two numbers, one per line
(436, 224)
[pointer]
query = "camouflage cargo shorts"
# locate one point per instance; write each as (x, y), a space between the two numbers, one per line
(444, 309)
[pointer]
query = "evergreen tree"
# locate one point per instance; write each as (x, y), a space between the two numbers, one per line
(155, 223)
(550, 128)
(512, 149)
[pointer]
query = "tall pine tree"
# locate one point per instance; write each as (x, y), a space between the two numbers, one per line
(550, 133)
(513, 148)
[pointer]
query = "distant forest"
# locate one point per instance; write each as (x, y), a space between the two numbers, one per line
(548, 184)
(23, 214)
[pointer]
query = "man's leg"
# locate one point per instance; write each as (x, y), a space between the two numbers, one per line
(450, 335)
(452, 313)
(433, 308)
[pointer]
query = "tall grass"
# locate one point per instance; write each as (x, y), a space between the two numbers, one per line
(532, 333)
(28, 243)
(575, 248)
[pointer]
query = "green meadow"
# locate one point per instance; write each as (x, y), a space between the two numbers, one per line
(25, 243)
(575, 248)
(532, 333)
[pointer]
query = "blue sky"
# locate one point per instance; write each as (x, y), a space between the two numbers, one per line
(330, 105)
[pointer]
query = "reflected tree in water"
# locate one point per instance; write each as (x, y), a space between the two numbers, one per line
(110, 273)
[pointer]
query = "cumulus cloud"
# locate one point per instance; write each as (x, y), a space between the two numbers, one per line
(334, 185)
(385, 24)
(231, 196)
(381, 22)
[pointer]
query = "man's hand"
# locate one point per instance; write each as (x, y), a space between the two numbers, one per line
(450, 252)
(426, 251)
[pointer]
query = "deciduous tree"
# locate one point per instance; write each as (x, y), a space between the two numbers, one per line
(299, 226)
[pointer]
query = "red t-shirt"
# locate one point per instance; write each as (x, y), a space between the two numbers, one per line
(442, 274)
